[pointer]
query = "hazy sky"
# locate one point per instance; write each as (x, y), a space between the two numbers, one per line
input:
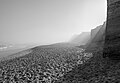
(48, 21)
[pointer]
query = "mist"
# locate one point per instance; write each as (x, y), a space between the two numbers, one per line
(48, 21)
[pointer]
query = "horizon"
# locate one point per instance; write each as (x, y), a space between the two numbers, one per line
(48, 21)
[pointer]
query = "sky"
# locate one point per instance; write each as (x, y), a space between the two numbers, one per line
(48, 21)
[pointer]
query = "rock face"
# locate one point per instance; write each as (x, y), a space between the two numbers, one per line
(95, 31)
(112, 33)
(97, 38)
(97, 34)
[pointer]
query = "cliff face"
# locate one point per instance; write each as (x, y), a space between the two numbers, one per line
(96, 41)
(95, 31)
(99, 36)
(112, 33)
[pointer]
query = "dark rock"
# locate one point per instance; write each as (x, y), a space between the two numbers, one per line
(112, 35)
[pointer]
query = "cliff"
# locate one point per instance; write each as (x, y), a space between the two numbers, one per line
(99, 69)
(112, 33)
(99, 36)
(90, 39)
(95, 31)
(96, 41)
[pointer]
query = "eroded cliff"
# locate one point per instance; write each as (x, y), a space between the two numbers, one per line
(112, 33)
(96, 41)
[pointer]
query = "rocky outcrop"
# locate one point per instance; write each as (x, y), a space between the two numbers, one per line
(95, 31)
(91, 40)
(112, 33)
(97, 38)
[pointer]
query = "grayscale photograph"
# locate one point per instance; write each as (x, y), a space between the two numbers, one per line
(59, 41)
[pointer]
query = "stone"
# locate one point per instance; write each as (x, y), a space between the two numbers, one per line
(112, 32)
